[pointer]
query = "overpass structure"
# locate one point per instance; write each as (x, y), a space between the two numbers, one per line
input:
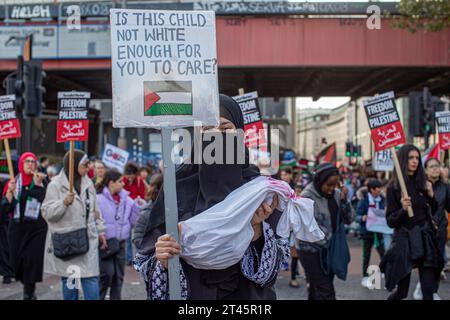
(278, 48)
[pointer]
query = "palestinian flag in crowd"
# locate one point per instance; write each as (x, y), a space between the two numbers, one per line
(164, 98)
(288, 159)
(434, 152)
(327, 154)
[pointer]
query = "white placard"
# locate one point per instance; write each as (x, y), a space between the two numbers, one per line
(114, 157)
(383, 161)
(164, 68)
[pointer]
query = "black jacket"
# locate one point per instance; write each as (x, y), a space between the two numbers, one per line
(442, 197)
(414, 241)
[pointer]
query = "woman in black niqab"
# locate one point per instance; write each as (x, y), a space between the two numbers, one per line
(199, 187)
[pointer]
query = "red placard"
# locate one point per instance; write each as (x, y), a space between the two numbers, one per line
(255, 134)
(443, 127)
(384, 121)
(253, 124)
(444, 140)
(73, 122)
(9, 124)
(388, 136)
(72, 130)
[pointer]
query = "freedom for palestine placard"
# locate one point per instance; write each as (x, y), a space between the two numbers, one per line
(384, 121)
(73, 120)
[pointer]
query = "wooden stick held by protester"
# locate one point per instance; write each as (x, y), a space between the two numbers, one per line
(8, 159)
(71, 166)
(401, 180)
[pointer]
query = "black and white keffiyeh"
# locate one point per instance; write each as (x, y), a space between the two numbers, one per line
(274, 254)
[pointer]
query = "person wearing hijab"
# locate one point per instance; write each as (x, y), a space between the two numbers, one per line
(66, 212)
(415, 240)
(199, 187)
(324, 259)
(23, 197)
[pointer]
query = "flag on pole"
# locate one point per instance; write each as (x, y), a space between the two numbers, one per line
(327, 154)
(434, 153)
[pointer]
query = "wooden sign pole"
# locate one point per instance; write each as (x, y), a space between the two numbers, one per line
(401, 180)
(8, 159)
(71, 165)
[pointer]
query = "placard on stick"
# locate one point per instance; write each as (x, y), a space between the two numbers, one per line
(164, 68)
(383, 161)
(73, 120)
(443, 128)
(384, 121)
(114, 157)
(9, 126)
(73, 123)
(386, 130)
(164, 76)
(253, 124)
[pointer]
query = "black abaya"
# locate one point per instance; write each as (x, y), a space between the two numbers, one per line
(27, 239)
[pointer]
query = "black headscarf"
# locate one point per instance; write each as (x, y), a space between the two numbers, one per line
(321, 175)
(230, 110)
(78, 156)
(201, 186)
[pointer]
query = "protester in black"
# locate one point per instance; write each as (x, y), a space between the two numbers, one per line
(329, 257)
(27, 231)
(414, 242)
(199, 187)
(442, 196)
(5, 268)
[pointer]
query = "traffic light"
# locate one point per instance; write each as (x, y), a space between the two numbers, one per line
(428, 112)
(14, 84)
(348, 149)
(422, 109)
(19, 86)
(357, 151)
(34, 90)
(415, 113)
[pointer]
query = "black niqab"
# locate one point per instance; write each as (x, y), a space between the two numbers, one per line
(201, 186)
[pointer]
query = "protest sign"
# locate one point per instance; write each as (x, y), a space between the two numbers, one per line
(9, 126)
(114, 157)
(164, 75)
(384, 121)
(164, 68)
(443, 128)
(383, 161)
(253, 124)
(386, 130)
(73, 121)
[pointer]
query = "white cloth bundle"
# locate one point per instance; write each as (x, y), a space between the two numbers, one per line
(218, 237)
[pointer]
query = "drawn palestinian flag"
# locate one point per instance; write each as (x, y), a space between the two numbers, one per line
(162, 98)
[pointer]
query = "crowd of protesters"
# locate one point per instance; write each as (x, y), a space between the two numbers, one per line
(39, 215)
(117, 219)
(375, 210)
